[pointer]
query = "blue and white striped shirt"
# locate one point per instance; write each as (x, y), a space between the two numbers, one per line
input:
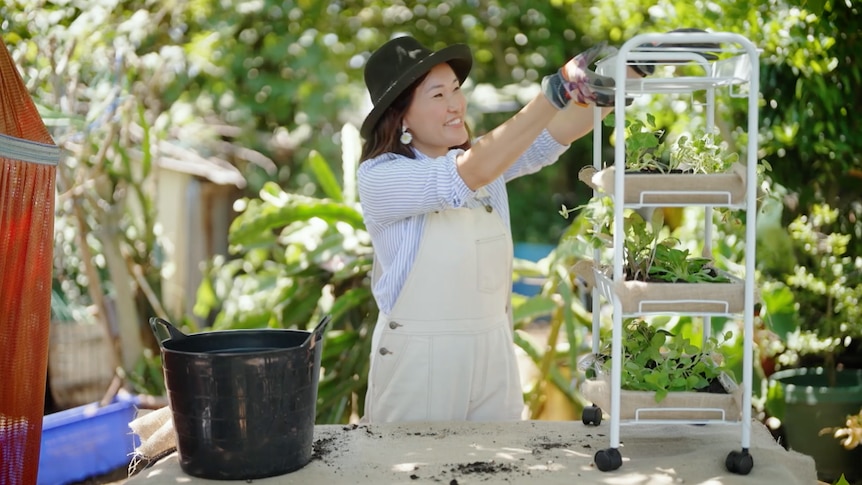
(396, 192)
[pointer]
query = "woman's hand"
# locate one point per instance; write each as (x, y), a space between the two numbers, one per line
(575, 82)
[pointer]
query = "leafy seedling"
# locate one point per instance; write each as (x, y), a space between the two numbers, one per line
(676, 266)
(660, 361)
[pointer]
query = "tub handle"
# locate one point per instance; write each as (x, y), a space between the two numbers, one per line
(317, 333)
(173, 332)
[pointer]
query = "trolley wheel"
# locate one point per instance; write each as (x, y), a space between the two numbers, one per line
(592, 415)
(608, 459)
(739, 462)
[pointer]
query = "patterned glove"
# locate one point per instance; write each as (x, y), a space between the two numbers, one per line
(575, 81)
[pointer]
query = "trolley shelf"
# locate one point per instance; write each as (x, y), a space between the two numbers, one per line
(689, 406)
(694, 65)
(638, 298)
(673, 189)
(731, 72)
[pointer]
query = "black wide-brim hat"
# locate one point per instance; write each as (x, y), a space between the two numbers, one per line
(399, 63)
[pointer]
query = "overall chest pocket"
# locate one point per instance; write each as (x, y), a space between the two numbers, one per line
(492, 265)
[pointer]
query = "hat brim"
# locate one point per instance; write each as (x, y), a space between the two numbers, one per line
(457, 55)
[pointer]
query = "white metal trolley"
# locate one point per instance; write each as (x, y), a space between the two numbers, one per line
(728, 61)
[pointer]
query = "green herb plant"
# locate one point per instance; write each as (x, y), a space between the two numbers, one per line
(640, 239)
(640, 244)
(675, 265)
(701, 153)
(648, 150)
(654, 359)
(647, 255)
(644, 149)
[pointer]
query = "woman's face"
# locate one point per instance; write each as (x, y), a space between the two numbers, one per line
(435, 116)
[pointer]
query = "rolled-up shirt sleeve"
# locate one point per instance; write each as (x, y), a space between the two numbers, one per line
(544, 151)
(394, 187)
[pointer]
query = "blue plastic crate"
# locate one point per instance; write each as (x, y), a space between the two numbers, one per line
(86, 441)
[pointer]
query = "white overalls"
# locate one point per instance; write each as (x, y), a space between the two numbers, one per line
(445, 352)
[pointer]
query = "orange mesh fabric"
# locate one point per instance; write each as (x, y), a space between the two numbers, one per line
(28, 164)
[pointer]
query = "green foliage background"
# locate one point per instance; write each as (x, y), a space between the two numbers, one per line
(268, 85)
(281, 77)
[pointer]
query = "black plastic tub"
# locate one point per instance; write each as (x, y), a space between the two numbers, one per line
(243, 401)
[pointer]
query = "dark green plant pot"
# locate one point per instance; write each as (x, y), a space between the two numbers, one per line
(806, 404)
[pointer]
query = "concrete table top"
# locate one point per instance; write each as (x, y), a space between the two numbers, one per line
(530, 452)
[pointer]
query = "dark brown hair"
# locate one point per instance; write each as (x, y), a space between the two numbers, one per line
(385, 137)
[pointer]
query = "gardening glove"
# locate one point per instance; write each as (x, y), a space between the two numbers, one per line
(706, 49)
(576, 82)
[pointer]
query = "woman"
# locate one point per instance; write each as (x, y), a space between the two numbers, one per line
(436, 208)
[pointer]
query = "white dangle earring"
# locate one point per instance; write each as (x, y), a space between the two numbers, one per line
(406, 136)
